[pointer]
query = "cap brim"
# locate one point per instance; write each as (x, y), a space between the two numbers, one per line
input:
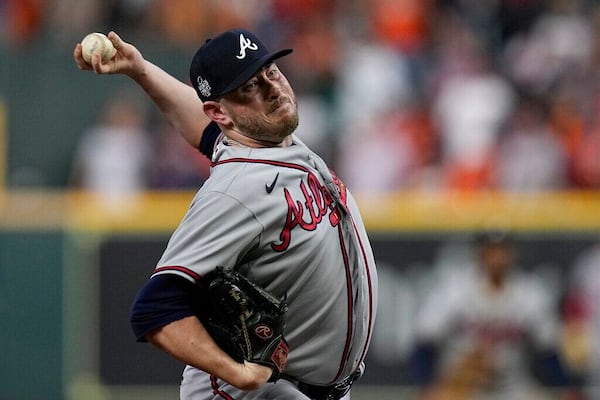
(252, 69)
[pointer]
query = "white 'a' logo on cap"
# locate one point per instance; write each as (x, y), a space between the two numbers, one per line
(245, 44)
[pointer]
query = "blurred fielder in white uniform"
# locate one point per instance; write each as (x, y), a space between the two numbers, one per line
(481, 326)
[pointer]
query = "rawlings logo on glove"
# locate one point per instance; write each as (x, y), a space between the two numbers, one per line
(246, 321)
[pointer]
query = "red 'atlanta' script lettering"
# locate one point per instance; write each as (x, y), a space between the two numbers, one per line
(308, 213)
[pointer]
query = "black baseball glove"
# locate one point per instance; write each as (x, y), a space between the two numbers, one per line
(245, 320)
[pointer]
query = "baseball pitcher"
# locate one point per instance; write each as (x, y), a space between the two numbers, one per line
(267, 289)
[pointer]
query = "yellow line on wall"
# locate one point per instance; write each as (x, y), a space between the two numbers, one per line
(456, 211)
(402, 211)
(161, 212)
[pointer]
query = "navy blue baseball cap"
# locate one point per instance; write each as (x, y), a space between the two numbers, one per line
(225, 62)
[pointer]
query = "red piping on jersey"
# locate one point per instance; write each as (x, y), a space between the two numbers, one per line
(216, 390)
(257, 161)
(349, 286)
(346, 263)
(179, 268)
(370, 283)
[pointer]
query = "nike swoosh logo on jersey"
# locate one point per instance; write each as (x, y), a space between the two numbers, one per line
(272, 185)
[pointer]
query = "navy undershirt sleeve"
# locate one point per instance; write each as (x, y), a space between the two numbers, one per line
(551, 370)
(209, 137)
(162, 300)
(422, 363)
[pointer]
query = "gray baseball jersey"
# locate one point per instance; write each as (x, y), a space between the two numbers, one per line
(465, 315)
(281, 217)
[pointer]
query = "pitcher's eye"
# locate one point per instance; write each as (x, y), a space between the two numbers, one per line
(249, 86)
(272, 71)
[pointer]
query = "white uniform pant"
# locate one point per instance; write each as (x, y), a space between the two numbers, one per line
(198, 385)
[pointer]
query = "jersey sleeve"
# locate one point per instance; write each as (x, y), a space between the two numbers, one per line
(435, 317)
(542, 314)
(218, 230)
(209, 138)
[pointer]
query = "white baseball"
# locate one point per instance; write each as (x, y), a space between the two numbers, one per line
(97, 43)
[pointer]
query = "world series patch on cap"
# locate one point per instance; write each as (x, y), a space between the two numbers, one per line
(225, 62)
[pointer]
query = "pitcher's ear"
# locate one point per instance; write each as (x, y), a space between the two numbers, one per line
(214, 111)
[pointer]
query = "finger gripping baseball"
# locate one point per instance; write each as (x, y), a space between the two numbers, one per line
(247, 321)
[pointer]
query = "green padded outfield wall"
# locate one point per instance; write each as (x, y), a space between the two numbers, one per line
(50, 103)
(30, 316)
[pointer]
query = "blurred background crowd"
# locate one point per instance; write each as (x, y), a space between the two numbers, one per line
(396, 94)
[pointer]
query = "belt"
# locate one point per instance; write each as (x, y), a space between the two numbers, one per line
(331, 392)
